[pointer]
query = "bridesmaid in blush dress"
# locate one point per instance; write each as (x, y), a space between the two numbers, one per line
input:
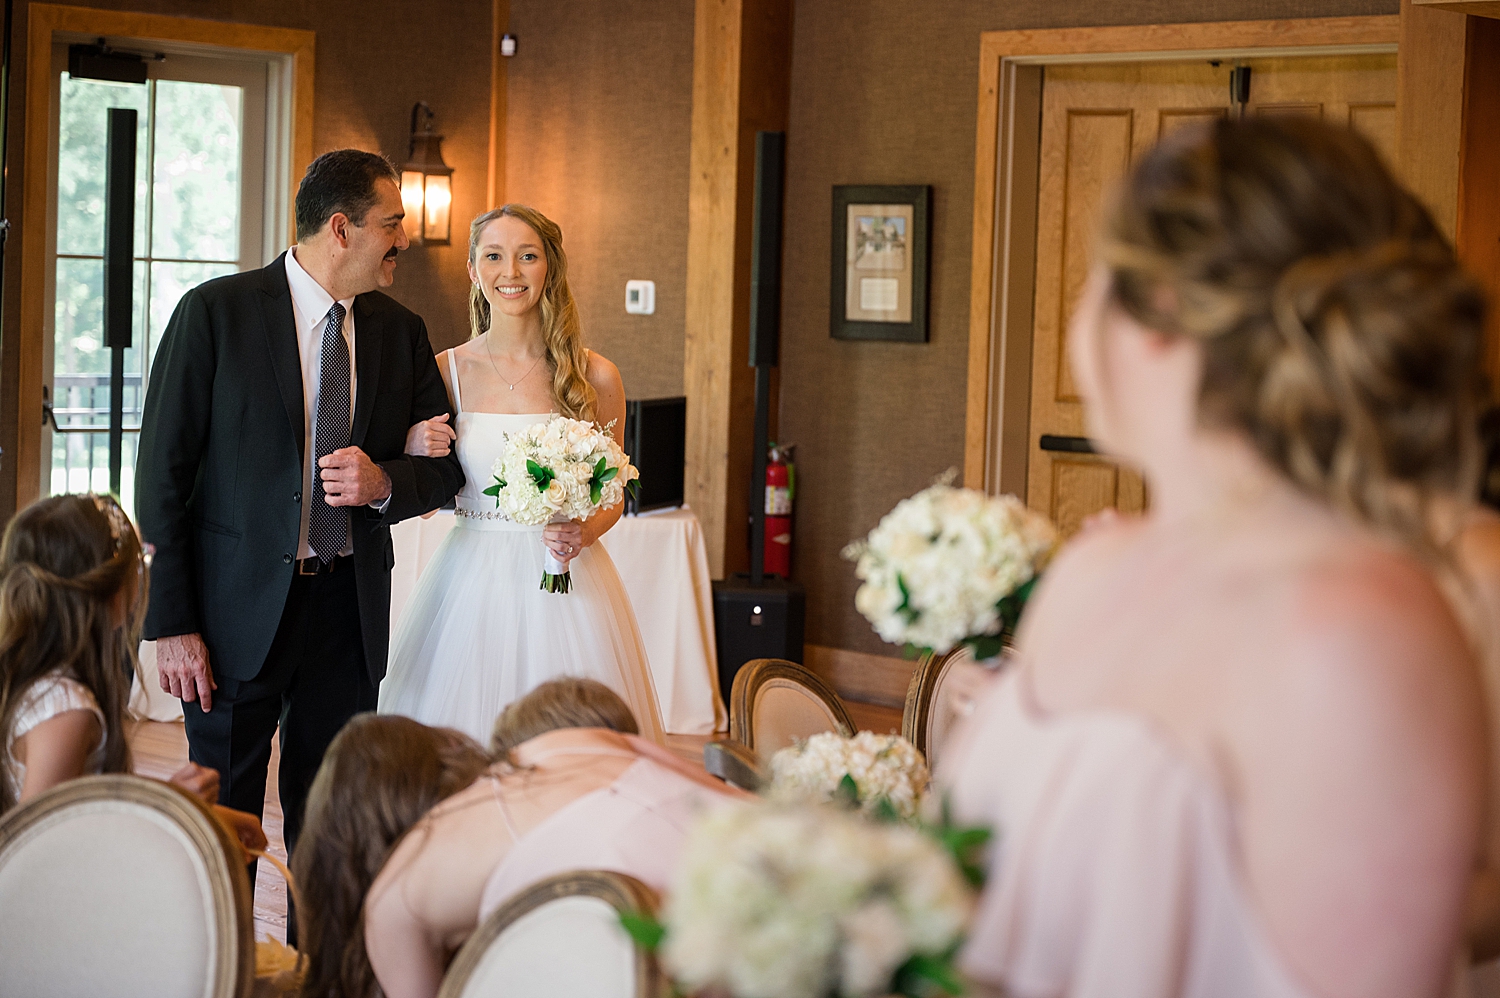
(1240, 750)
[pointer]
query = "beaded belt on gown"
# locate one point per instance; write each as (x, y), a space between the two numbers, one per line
(484, 516)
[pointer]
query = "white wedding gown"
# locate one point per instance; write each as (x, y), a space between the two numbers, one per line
(479, 632)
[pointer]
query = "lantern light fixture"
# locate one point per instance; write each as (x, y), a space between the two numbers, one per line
(426, 183)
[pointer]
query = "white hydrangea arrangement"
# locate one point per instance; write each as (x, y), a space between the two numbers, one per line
(872, 771)
(807, 902)
(560, 469)
(950, 566)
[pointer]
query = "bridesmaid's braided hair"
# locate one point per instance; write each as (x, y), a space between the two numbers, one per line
(1339, 332)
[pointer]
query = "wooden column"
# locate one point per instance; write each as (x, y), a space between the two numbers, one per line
(741, 84)
(1448, 137)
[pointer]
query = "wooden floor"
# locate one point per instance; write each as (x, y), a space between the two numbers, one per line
(159, 749)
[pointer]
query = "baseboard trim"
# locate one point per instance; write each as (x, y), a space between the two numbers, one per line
(857, 675)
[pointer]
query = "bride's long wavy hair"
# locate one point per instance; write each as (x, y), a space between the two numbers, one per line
(562, 334)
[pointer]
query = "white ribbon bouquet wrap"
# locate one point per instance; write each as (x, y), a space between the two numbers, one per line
(558, 470)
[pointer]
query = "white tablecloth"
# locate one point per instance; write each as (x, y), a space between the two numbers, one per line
(664, 564)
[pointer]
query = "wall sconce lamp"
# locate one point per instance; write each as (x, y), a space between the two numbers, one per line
(426, 184)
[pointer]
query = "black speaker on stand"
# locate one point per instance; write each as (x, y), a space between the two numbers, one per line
(756, 616)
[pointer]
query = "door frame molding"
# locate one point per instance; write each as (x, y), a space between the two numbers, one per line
(44, 22)
(1003, 275)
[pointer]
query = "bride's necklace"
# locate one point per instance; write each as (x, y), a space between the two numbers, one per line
(491, 355)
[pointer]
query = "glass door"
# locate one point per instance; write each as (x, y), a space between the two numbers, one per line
(199, 214)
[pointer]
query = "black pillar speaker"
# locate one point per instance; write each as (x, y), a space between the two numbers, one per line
(755, 616)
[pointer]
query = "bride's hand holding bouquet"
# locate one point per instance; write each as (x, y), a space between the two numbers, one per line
(560, 472)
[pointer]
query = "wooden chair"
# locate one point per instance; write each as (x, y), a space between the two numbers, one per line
(930, 715)
(774, 703)
(122, 886)
(733, 763)
(560, 937)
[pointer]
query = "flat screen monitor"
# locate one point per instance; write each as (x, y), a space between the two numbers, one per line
(656, 440)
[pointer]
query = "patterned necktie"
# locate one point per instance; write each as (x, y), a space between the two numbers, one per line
(328, 526)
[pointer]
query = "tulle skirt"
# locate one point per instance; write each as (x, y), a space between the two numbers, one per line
(479, 633)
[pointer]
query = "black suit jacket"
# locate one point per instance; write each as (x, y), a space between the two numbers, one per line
(219, 470)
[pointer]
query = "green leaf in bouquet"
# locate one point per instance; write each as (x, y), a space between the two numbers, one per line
(1010, 607)
(908, 612)
(599, 467)
(634, 488)
(644, 930)
(541, 475)
(596, 492)
(925, 975)
(963, 843)
(608, 475)
(847, 792)
(986, 646)
(885, 812)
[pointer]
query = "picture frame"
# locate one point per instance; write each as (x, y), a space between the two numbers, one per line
(880, 262)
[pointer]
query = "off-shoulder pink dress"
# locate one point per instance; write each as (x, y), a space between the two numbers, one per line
(1114, 872)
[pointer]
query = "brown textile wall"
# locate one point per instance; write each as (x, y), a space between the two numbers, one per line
(598, 128)
(375, 59)
(885, 92)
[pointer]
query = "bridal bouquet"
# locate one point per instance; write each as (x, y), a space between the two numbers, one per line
(557, 470)
(876, 773)
(951, 566)
(808, 902)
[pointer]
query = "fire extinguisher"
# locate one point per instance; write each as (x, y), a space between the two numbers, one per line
(780, 479)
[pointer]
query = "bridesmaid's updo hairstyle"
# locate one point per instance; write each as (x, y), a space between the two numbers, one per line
(72, 600)
(567, 702)
(562, 333)
(1338, 330)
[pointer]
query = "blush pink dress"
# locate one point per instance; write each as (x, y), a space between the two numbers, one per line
(1114, 872)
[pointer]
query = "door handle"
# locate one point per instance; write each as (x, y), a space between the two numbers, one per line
(1068, 445)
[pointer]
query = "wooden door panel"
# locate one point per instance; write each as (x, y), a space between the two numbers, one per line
(1097, 119)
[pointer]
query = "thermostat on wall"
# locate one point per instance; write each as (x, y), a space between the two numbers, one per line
(640, 297)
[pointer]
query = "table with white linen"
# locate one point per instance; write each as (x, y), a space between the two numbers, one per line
(663, 562)
(664, 565)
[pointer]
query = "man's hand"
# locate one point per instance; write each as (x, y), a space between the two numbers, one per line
(430, 438)
(182, 667)
(200, 781)
(245, 827)
(350, 478)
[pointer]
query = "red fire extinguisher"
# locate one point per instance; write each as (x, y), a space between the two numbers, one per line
(780, 478)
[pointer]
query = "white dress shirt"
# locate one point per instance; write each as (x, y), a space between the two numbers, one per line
(310, 305)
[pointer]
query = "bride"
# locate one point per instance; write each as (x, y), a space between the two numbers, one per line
(478, 633)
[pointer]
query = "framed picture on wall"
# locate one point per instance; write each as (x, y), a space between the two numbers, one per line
(880, 254)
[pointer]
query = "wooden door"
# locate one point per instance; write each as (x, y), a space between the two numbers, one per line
(1096, 120)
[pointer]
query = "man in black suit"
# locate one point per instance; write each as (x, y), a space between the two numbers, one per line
(270, 469)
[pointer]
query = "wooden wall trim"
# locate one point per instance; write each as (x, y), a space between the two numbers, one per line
(43, 22)
(1429, 131)
(1477, 226)
(1478, 8)
(495, 182)
(860, 676)
(1028, 47)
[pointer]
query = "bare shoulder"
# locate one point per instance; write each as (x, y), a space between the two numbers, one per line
(603, 374)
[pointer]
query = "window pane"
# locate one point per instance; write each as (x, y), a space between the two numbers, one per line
(80, 364)
(197, 172)
(169, 282)
(80, 162)
(80, 463)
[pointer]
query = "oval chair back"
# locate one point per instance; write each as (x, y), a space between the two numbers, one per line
(559, 937)
(122, 886)
(929, 715)
(775, 703)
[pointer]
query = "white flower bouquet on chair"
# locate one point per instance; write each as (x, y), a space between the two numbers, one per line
(558, 470)
(875, 773)
(809, 902)
(951, 566)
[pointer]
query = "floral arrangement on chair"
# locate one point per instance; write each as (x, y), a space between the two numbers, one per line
(809, 902)
(873, 772)
(951, 566)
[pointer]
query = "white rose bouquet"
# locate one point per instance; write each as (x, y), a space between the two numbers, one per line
(556, 470)
(877, 773)
(951, 566)
(808, 902)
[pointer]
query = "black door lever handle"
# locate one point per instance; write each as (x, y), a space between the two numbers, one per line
(1069, 445)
